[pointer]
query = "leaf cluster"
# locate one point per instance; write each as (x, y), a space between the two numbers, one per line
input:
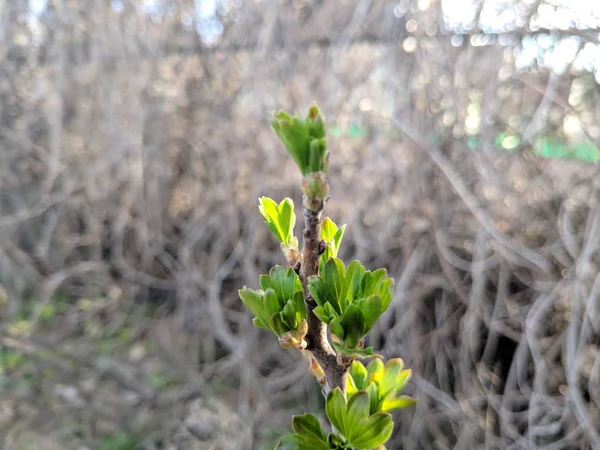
(358, 428)
(304, 138)
(279, 219)
(361, 415)
(383, 383)
(279, 305)
(350, 301)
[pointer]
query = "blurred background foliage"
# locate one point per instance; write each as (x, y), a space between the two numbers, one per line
(134, 144)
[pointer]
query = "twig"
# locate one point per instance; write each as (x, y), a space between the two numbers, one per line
(318, 344)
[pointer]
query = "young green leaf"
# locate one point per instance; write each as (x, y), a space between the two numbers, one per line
(317, 122)
(298, 300)
(374, 399)
(271, 302)
(285, 283)
(377, 283)
(308, 425)
(304, 138)
(391, 375)
(268, 209)
(403, 378)
(288, 315)
(357, 376)
(375, 370)
(355, 353)
(280, 219)
(254, 302)
(299, 442)
(353, 323)
(279, 307)
(294, 133)
(332, 235)
(383, 382)
(371, 309)
(335, 277)
(287, 218)
(373, 432)
(352, 418)
(357, 410)
(328, 229)
(354, 275)
(403, 401)
(335, 407)
(316, 154)
(322, 314)
(330, 286)
(276, 324)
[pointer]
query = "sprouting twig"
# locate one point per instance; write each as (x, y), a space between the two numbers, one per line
(318, 344)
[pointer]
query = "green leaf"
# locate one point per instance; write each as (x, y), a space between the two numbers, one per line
(318, 290)
(374, 398)
(330, 286)
(337, 239)
(271, 302)
(304, 138)
(353, 323)
(317, 122)
(402, 401)
(322, 315)
(402, 379)
(335, 277)
(352, 419)
(294, 133)
(265, 282)
(391, 374)
(336, 328)
(289, 316)
(308, 425)
(355, 353)
(328, 229)
(277, 325)
(284, 282)
(298, 300)
(387, 293)
(377, 283)
(385, 382)
(280, 306)
(254, 302)
(332, 235)
(259, 324)
(373, 432)
(354, 275)
(351, 386)
(371, 282)
(371, 309)
(335, 407)
(287, 218)
(280, 219)
(358, 374)
(298, 442)
(357, 410)
(269, 210)
(316, 152)
(375, 370)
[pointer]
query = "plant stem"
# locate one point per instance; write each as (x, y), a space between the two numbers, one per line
(318, 343)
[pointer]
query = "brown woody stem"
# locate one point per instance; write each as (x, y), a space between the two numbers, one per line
(318, 343)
